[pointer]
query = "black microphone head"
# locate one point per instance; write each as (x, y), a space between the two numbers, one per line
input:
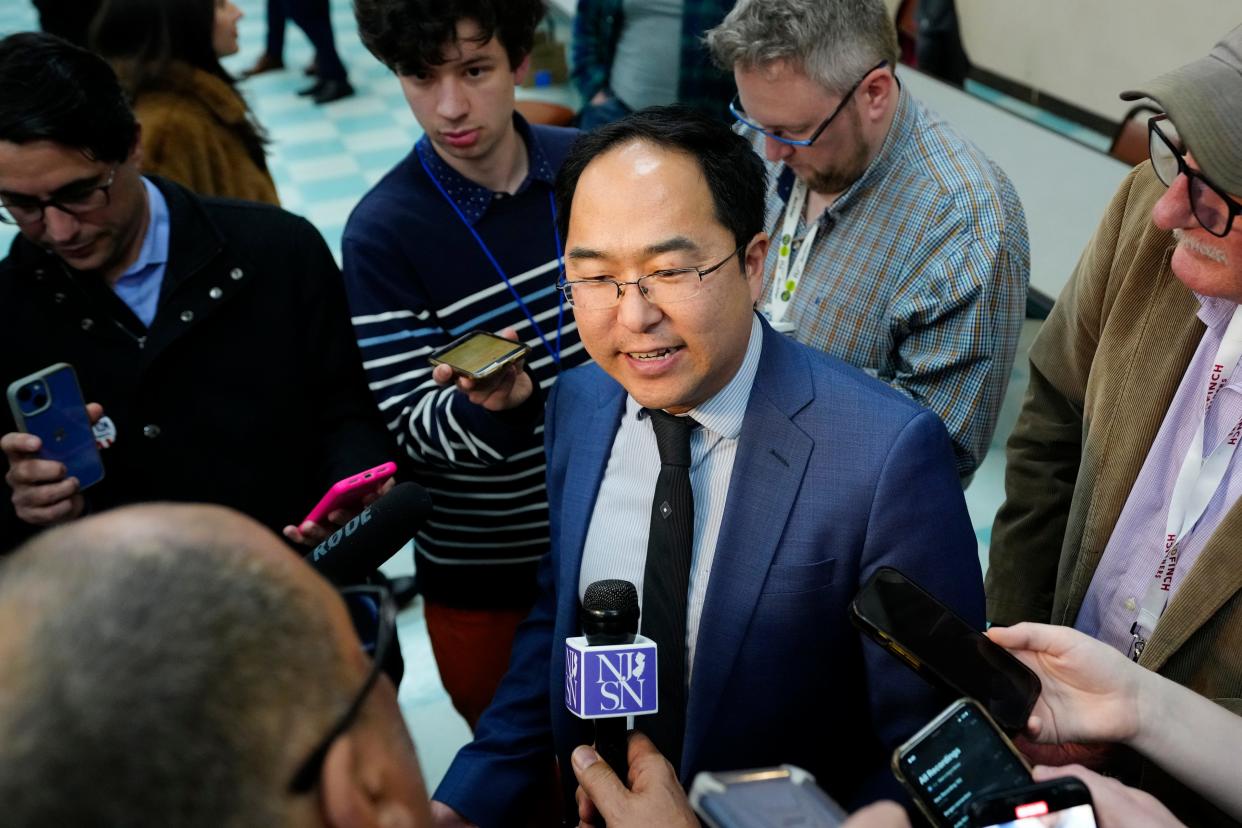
(610, 612)
(353, 552)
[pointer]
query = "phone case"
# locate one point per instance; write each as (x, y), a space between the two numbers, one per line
(1055, 796)
(785, 795)
(928, 672)
(348, 493)
(488, 367)
(914, 741)
(53, 409)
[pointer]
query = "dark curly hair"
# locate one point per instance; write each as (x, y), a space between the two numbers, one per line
(408, 36)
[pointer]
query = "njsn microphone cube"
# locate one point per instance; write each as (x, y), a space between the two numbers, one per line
(611, 679)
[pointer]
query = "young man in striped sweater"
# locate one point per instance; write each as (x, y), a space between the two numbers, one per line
(460, 236)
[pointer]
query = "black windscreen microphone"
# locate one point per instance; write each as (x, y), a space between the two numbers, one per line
(609, 615)
(353, 552)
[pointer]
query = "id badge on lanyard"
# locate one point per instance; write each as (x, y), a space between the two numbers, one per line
(789, 268)
(1197, 482)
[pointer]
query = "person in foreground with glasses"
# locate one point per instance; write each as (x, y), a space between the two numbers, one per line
(744, 483)
(175, 665)
(897, 245)
(1121, 516)
(212, 332)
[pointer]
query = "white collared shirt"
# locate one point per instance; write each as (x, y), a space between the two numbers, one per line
(616, 542)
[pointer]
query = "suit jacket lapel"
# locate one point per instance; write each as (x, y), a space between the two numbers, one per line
(592, 446)
(771, 458)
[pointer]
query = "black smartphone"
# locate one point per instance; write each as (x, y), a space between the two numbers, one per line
(1057, 803)
(478, 354)
(940, 646)
(957, 757)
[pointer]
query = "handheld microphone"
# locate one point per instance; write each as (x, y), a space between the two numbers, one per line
(610, 671)
(352, 553)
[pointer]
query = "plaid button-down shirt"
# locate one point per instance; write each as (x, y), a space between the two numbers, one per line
(917, 274)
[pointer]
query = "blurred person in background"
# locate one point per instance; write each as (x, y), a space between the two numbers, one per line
(631, 54)
(70, 19)
(196, 127)
(314, 18)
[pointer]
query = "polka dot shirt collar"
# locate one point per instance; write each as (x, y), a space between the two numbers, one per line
(474, 199)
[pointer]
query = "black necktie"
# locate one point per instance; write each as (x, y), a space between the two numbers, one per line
(666, 580)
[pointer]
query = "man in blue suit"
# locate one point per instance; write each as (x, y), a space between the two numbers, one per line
(807, 475)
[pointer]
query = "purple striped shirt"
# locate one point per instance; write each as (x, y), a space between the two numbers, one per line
(1137, 544)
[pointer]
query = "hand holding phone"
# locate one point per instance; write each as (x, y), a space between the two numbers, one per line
(486, 367)
(1063, 802)
(957, 757)
(919, 630)
(53, 457)
(341, 502)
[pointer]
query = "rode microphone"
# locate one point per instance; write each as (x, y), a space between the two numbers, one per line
(353, 552)
(610, 670)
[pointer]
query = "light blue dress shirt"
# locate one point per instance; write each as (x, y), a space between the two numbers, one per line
(139, 286)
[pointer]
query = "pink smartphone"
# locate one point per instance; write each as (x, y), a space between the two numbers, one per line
(348, 493)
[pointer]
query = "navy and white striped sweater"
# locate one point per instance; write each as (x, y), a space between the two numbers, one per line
(416, 280)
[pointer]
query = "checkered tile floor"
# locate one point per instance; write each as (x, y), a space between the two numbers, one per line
(323, 160)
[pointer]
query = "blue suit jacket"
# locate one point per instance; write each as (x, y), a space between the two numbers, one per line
(835, 475)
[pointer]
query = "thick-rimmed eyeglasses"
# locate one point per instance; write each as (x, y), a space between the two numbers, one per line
(374, 615)
(663, 287)
(735, 108)
(1212, 208)
(19, 209)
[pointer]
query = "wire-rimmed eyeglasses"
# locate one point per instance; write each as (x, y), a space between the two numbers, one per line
(662, 287)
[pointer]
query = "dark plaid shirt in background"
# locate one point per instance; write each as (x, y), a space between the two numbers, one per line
(918, 273)
(701, 85)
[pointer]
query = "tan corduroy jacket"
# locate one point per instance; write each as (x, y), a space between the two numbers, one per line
(190, 134)
(1104, 369)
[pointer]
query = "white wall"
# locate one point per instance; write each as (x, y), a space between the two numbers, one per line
(1087, 51)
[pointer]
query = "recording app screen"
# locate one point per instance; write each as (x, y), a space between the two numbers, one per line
(1079, 816)
(478, 352)
(960, 760)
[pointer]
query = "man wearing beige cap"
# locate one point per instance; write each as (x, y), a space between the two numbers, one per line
(1121, 515)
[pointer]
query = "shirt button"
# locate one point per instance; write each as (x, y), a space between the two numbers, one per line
(187, 316)
(151, 431)
(87, 324)
(215, 293)
(1131, 604)
(235, 274)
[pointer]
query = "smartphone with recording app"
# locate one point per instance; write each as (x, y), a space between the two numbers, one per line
(49, 404)
(958, 757)
(479, 354)
(938, 644)
(785, 795)
(1057, 803)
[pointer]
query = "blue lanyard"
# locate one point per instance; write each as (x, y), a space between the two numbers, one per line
(556, 234)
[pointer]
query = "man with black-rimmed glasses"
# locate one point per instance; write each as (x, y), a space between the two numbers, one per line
(897, 246)
(1121, 515)
(209, 336)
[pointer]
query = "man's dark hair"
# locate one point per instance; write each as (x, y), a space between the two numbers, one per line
(408, 36)
(51, 90)
(735, 174)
